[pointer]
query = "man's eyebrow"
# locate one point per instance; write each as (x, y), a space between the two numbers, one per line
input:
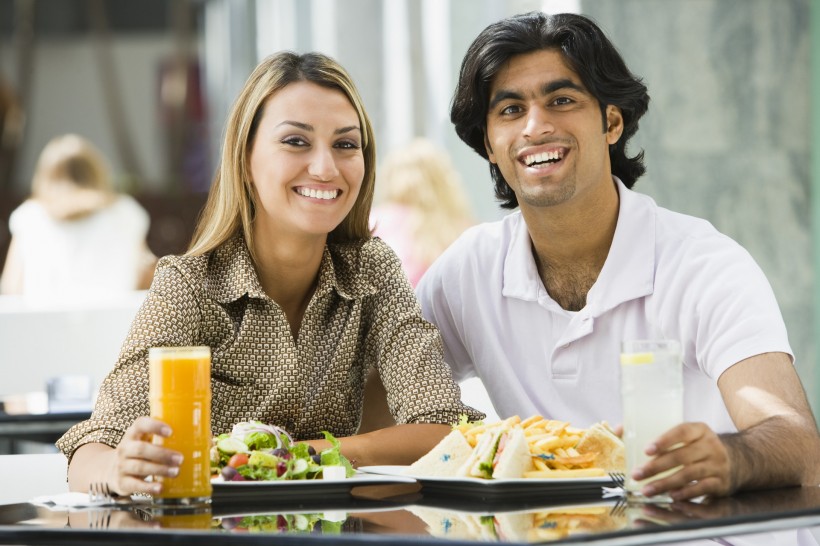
(565, 83)
(503, 95)
(308, 127)
(546, 89)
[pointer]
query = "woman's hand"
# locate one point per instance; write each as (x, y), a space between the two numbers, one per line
(137, 458)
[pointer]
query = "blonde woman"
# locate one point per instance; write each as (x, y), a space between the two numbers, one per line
(286, 286)
(422, 208)
(75, 238)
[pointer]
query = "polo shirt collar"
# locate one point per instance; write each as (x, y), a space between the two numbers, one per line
(629, 270)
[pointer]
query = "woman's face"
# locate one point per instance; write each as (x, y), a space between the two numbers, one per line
(306, 162)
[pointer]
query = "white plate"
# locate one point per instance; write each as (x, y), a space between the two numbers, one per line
(505, 488)
(290, 489)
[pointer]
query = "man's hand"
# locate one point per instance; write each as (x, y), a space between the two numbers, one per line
(705, 461)
(766, 401)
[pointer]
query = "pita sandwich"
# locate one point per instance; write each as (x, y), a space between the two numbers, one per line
(446, 459)
(609, 448)
(500, 453)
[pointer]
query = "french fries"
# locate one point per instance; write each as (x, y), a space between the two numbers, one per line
(552, 446)
(551, 443)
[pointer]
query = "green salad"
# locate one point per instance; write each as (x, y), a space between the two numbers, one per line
(256, 451)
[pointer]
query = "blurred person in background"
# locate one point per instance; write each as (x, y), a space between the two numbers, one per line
(424, 206)
(75, 238)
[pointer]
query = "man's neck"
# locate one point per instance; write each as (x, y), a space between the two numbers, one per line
(570, 244)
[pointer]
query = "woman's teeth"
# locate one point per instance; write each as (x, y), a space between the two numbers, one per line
(318, 194)
(544, 157)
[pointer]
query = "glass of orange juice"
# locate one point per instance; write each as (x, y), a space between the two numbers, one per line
(180, 396)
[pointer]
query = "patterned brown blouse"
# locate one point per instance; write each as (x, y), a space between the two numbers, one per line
(363, 314)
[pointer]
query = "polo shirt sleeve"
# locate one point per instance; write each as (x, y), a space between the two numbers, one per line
(721, 303)
(167, 317)
(419, 385)
(439, 295)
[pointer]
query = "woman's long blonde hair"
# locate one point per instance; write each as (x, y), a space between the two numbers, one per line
(71, 179)
(230, 205)
(422, 178)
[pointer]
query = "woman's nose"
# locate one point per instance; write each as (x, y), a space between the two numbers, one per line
(323, 166)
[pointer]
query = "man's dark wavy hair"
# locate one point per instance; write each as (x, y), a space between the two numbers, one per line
(586, 50)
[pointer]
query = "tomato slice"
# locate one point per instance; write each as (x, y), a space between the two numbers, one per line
(238, 459)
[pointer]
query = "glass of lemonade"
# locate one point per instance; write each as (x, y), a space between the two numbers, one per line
(180, 395)
(652, 398)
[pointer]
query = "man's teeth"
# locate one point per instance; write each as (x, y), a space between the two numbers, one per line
(543, 157)
(318, 194)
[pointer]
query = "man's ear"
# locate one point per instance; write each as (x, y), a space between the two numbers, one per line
(614, 124)
(490, 154)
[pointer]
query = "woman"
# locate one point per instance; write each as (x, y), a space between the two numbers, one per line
(286, 286)
(75, 238)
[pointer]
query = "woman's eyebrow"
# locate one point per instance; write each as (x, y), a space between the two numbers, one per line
(309, 127)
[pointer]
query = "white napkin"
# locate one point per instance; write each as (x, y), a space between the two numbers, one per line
(610, 492)
(76, 500)
(72, 499)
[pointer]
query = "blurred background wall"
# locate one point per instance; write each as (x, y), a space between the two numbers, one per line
(728, 136)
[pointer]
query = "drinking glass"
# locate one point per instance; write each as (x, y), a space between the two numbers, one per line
(652, 398)
(180, 395)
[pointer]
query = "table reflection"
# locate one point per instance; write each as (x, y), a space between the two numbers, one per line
(448, 520)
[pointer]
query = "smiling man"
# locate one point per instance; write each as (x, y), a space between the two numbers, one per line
(536, 305)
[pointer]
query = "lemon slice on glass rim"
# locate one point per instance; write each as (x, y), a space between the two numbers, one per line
(634, 359)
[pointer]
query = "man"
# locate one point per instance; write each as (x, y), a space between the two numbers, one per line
(536, 305)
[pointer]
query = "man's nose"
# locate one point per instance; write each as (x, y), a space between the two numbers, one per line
(539, 122)
(323, 165)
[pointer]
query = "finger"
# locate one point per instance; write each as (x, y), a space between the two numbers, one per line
(685, 433)
(682, 457)
(146, 426)
(710, 486)
(673, 482)
(149, 452)
(131, 485)
(141, 469)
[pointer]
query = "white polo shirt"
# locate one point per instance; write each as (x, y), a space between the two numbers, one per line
(667, 275)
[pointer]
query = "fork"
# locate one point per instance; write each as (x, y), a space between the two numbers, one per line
(99, 518)
(99, 492)
(618, 478)
(619, 508)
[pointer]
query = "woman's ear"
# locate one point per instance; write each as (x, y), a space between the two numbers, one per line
(614, 124)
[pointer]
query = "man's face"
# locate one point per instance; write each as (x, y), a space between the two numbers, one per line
(545, 132)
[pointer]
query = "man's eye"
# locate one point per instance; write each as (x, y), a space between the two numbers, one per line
(511, 109)
(562, 101)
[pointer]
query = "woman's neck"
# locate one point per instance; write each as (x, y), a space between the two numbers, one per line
(288, 270)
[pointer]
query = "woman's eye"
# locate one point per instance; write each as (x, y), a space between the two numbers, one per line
(294, 141)
(348, 145)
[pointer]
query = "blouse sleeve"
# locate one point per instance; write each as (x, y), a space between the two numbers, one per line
(168, 317)
(408, 349)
